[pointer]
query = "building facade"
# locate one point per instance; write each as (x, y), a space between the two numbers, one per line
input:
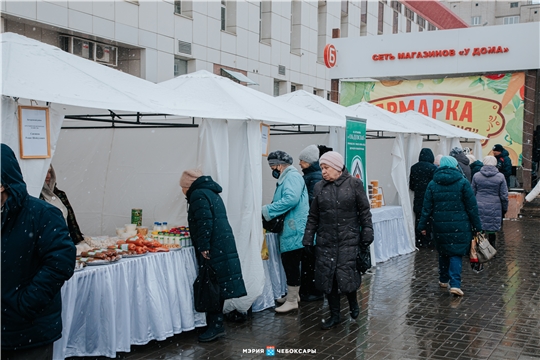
(277, 44)
(485, 13)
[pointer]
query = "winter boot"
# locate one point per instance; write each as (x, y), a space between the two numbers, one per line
(281, 300)
(292, 300)
(215, 328)
(333, 303)
(353, 304)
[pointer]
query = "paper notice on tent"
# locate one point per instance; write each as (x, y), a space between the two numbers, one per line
(355, 148)
(265, 139)
(34, 132)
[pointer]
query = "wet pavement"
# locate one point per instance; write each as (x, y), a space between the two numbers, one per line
(404, 315)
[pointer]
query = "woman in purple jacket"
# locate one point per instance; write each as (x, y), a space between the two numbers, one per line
(489, 186)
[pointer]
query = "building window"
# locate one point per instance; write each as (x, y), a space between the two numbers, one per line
(514, 4)
(363, 12)
(344, 19)
(223, 15)
(476, 20)
(420, 21)
(180, 67)
(296, 27)
(177, 7)
(408, 25)
(431, 27)
(293, 87)
(380, 19)
(509, 20)
(409, 14)
(265, 21)
(396, 5)
(395, 23)
(276, 87)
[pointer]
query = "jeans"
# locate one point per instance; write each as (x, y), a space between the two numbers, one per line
(450, 270)
(291, 266)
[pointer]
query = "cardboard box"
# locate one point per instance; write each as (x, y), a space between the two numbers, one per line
(515, 203)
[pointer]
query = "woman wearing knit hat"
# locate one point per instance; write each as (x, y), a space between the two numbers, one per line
(290, 198)
(340, 217)
(213, 239)
(489, 186)
(309, 162)
(450, 203)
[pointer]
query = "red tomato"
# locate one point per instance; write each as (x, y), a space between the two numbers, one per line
(495, 76)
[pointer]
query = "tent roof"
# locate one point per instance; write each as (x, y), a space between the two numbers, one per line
(223, 98)
(38, 71)
(436, 126)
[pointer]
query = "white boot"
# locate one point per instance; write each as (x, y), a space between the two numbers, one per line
(292, 300)
(281, 300)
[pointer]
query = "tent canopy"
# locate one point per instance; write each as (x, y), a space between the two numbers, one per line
(437, 127)
(38, 71)
(222, 98)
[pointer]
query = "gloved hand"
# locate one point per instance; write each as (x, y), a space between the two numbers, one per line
(367, 236)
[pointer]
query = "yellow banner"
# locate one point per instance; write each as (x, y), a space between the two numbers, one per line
(490, 105)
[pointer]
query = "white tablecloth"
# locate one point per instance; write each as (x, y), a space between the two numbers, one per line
(106, 309)
(391, 237)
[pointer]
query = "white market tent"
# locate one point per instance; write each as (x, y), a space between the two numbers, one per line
(408, 131)
(112, 170)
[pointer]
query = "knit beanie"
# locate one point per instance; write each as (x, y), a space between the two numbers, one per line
(455, 151)
(449, 161)
(471, 158)
(490, 160)
(332, 159)
(279, 158)
(309, 154)
(498, 147)
(189, 176)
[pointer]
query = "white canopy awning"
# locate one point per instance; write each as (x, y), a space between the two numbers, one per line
(38, 71)
(437, 127)
(222, 98)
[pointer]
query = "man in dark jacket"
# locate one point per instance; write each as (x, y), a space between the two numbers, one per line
(463, 162)
(213, 238)
(38, 256)
(504, 164)
(421, 174)
(309, 162)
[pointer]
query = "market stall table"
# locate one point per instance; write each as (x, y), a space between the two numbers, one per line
(108, 308)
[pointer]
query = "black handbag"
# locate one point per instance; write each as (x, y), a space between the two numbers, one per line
(363, 260)
(206, 290)
(276, 224)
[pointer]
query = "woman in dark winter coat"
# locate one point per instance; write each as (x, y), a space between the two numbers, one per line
(421, 174)
(475, 165)
(54, 196)
(38, 256)
(309, 162)
(463, 162)
(213, 239)
(340, 217)
(489, 186)
(450, 202)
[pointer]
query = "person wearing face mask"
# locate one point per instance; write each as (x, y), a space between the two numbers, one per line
(213, 239)
(340, 217)
(291, 198)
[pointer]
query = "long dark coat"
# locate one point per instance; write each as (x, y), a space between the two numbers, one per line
(38, 256)
(210, 230)
(312, 175)
(489, 186)
(450, 202)
(340, 216)
(475, 167)
(504, 164)
(421, 174)
(463, 162)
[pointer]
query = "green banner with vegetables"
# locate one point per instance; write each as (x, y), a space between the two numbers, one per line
(355, 148)
(490, 105)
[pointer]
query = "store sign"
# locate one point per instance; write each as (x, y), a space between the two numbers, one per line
(355, 148)
(426, 54)
(34, 132)
(490, 105)
(330, 56)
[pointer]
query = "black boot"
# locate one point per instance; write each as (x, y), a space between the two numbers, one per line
(353, 304)
(333, 303)
(215, 328)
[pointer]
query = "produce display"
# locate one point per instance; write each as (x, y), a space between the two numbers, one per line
(131, 241)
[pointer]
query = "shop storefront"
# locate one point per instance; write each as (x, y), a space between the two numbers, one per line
(482, 79)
